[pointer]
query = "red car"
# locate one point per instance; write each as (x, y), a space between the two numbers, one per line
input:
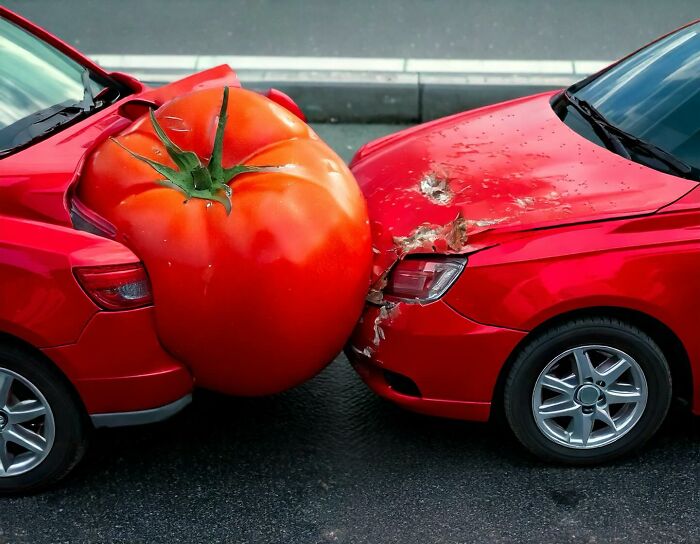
(78, 346)
(540, 259)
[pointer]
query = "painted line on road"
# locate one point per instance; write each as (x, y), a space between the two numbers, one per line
(345, 64)
(474, 66)
(191, 63)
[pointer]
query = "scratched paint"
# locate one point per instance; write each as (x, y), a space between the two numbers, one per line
(385, 313)
(501, 169)
(452, 237)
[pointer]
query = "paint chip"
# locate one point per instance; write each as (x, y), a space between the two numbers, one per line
(436, 188)
(384, 313)
(429, 236)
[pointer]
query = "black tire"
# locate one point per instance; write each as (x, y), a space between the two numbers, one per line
(70, 425)
(536, 355)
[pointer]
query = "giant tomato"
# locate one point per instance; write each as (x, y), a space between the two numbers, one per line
(259, 299)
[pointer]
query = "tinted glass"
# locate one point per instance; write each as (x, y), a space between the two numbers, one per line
(33, 76)
(655, 94)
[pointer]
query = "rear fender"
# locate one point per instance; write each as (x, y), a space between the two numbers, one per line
(42, 302)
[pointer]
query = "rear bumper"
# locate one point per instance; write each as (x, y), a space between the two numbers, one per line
(453, 362)
(118, 365)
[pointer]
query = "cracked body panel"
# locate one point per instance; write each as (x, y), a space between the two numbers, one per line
(414, 335)
(498, 170)
(448, 238)
(385, 313)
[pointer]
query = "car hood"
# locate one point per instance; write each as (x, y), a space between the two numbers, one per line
(34, 182)
(456, 184)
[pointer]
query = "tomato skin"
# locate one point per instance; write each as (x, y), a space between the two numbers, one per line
(257, 301)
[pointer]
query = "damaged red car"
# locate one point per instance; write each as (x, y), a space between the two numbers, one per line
(539, 259)
(78, 343)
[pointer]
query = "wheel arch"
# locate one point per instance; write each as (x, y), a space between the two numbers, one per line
(12, 341)
(669, 343)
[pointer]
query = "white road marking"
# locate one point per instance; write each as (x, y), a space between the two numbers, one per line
(169, 66)
(473, 66)
(159, 62)
(345, 64)
(585, 67)
(500, 80)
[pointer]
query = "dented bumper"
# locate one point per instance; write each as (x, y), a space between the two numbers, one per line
(454, 362)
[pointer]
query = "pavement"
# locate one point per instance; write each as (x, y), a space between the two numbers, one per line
(331, 462)
(379, 61)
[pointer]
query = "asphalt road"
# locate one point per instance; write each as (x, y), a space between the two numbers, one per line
(330, 462)
(510, 29)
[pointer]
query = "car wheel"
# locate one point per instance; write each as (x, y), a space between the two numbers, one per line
(588, 391)
(42, 426)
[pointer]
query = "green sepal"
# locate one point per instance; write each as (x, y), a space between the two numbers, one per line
(201, 179)
(175, 176)
(185, 160)
(171, 185)
(230, 173)
(224, 200)
(215, 166)
(193, 179)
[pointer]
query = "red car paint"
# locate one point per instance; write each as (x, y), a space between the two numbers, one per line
(552, 224)
(113, 358)
(450, 386)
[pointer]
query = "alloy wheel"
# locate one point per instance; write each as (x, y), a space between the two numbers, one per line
(27, 426)
(589, 397)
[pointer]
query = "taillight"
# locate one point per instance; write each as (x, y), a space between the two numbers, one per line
(117, 287)
(423, 279)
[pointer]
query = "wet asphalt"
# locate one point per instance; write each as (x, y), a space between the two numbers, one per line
(330, 462)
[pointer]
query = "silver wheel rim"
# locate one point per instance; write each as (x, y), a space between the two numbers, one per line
(589, 396)
(27, 426)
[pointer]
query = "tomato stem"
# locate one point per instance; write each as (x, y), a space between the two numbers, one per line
(192, 178)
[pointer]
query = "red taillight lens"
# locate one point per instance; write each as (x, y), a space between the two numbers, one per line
(423, 279)
(118, 287)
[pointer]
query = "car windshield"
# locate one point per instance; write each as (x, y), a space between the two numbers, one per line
(654, 95)
(41, 89)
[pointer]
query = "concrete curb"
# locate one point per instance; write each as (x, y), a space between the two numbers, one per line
(330, 89)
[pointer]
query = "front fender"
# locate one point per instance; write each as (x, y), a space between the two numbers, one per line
(647, 264)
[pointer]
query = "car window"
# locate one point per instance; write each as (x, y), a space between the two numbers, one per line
(655, 94)
(42, 90)
(33, 75)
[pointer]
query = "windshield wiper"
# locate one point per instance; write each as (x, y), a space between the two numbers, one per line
(42, 123)
(50, 120)
(46, 121)
(107, 95)
(88, 97)
(622, 141)
(599, 123)
(674, 163)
